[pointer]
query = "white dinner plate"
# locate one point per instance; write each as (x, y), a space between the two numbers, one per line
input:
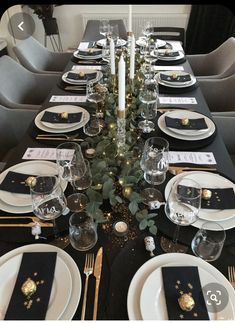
(175, 84)
(32, 167)
(76, 286)
(153, 302)
(63, 108)
(60, 108)
(208, 180)
(169, 58)
(162, 125)
(99, 75)
(137, 283)
(142, 42)
(179, 114)
(60, 292)
(86, 57)
(120, 42)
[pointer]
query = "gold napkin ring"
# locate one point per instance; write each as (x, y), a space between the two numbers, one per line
(206, 194)
(186, 302)
(30, 181)
(184, 121)
(29, 287)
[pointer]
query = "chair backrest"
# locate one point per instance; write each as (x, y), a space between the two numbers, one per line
(171, 33)
(32, 55)
(17, 84)
(13, 125)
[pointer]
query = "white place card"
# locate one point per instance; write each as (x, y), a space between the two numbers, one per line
(200, 158)
(46, 153)
(79, 68)
(177, 100)
(168, 68)
(68, 98)
(83, 45)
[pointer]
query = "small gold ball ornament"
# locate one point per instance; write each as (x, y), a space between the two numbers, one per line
(64, 115)
(29, 287)
(206, 194)
(174, 76)
(81, 74)
(186, 302)
(30, 181)
(185, 121)
(127, 191)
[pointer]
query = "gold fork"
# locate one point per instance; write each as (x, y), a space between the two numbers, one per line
(231, 275)
(88, 270)
(180, 169)
(60, 136)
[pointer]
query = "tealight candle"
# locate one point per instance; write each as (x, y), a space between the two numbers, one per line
(90, 152)
(120, 228)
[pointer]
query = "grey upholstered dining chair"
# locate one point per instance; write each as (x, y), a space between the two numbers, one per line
(36, 58)
(219, 93)
(219, 63)
(225, 122)
(171, 33)
(13, 125)
(20, 88)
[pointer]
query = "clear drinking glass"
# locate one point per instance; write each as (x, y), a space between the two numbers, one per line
(92, 127)
(71, 167)
(154, 163)
(82, 231)
(208, 241)
(86, 180)
(182, 207)
(104, 27)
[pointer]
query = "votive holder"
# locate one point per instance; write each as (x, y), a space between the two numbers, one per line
(120, 228)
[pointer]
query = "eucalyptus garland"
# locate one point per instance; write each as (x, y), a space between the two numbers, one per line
(116, 177)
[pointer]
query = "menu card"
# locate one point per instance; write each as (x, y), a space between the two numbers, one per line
(46, 153)
(177, 100)
(191, 157)
(68, 98)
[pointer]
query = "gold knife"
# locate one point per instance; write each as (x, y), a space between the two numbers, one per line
(34, 220)
(97, 274)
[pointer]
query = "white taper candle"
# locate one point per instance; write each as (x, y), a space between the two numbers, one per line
(130, 18)
(121, 84)
(112, 56)
(132, 57)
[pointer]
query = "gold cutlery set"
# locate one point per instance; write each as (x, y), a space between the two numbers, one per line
(175, 170)
(95, 268)
(32, 220)
(61, 136)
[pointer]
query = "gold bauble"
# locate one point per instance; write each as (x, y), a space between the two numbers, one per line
(127, 191)
(112, 125)
(30, 181)
(81, 74)
(29, 287)
(64, 115)
(206, 194)
(186, 302)
(174, 76)
(185, 121)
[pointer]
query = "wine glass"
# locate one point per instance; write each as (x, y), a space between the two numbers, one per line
(147, 30)
(154, 163)
(148, 96)
(104, 27)
(71, 166)
(94, 96)
(49, 202)
(182, 208)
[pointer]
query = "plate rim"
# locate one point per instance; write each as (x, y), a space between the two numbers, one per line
(147, 268)
(4, 173)
(161, 125)
(98, 77)
(76, 276)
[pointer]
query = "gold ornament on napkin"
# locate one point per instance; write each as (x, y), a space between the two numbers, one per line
(29, 287)
(185, 121)
(206, 194)
(30, 181)
(64, 115)
(186, 302)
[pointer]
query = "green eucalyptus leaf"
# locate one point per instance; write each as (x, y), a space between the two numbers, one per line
(143, 224)
(107, 187)
(151, 215)
(118, 198)
(150, 223)
(153, 229)
(133, 207)
(94, 196)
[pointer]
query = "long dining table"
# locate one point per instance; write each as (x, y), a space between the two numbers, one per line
(123, 256)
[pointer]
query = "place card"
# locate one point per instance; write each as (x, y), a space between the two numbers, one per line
(168, 68)
(46, 153)
(68, 98)
(90, 67)
(191, 157)
(177, 100)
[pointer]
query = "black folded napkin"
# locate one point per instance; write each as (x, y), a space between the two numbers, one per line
(39, 267)
(179, 78)
(90, 52)
(14, 183)
(169, 54)
(221, 198)
(178, 280)
(81, 77)
(194, 124)
(54, 117)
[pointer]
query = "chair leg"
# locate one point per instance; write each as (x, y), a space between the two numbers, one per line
(52, 43)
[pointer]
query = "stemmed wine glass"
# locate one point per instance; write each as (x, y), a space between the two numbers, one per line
(182, 208)
(104, 27)
(71, 167)
(154, 163)
(148, 96)
(49, 202)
